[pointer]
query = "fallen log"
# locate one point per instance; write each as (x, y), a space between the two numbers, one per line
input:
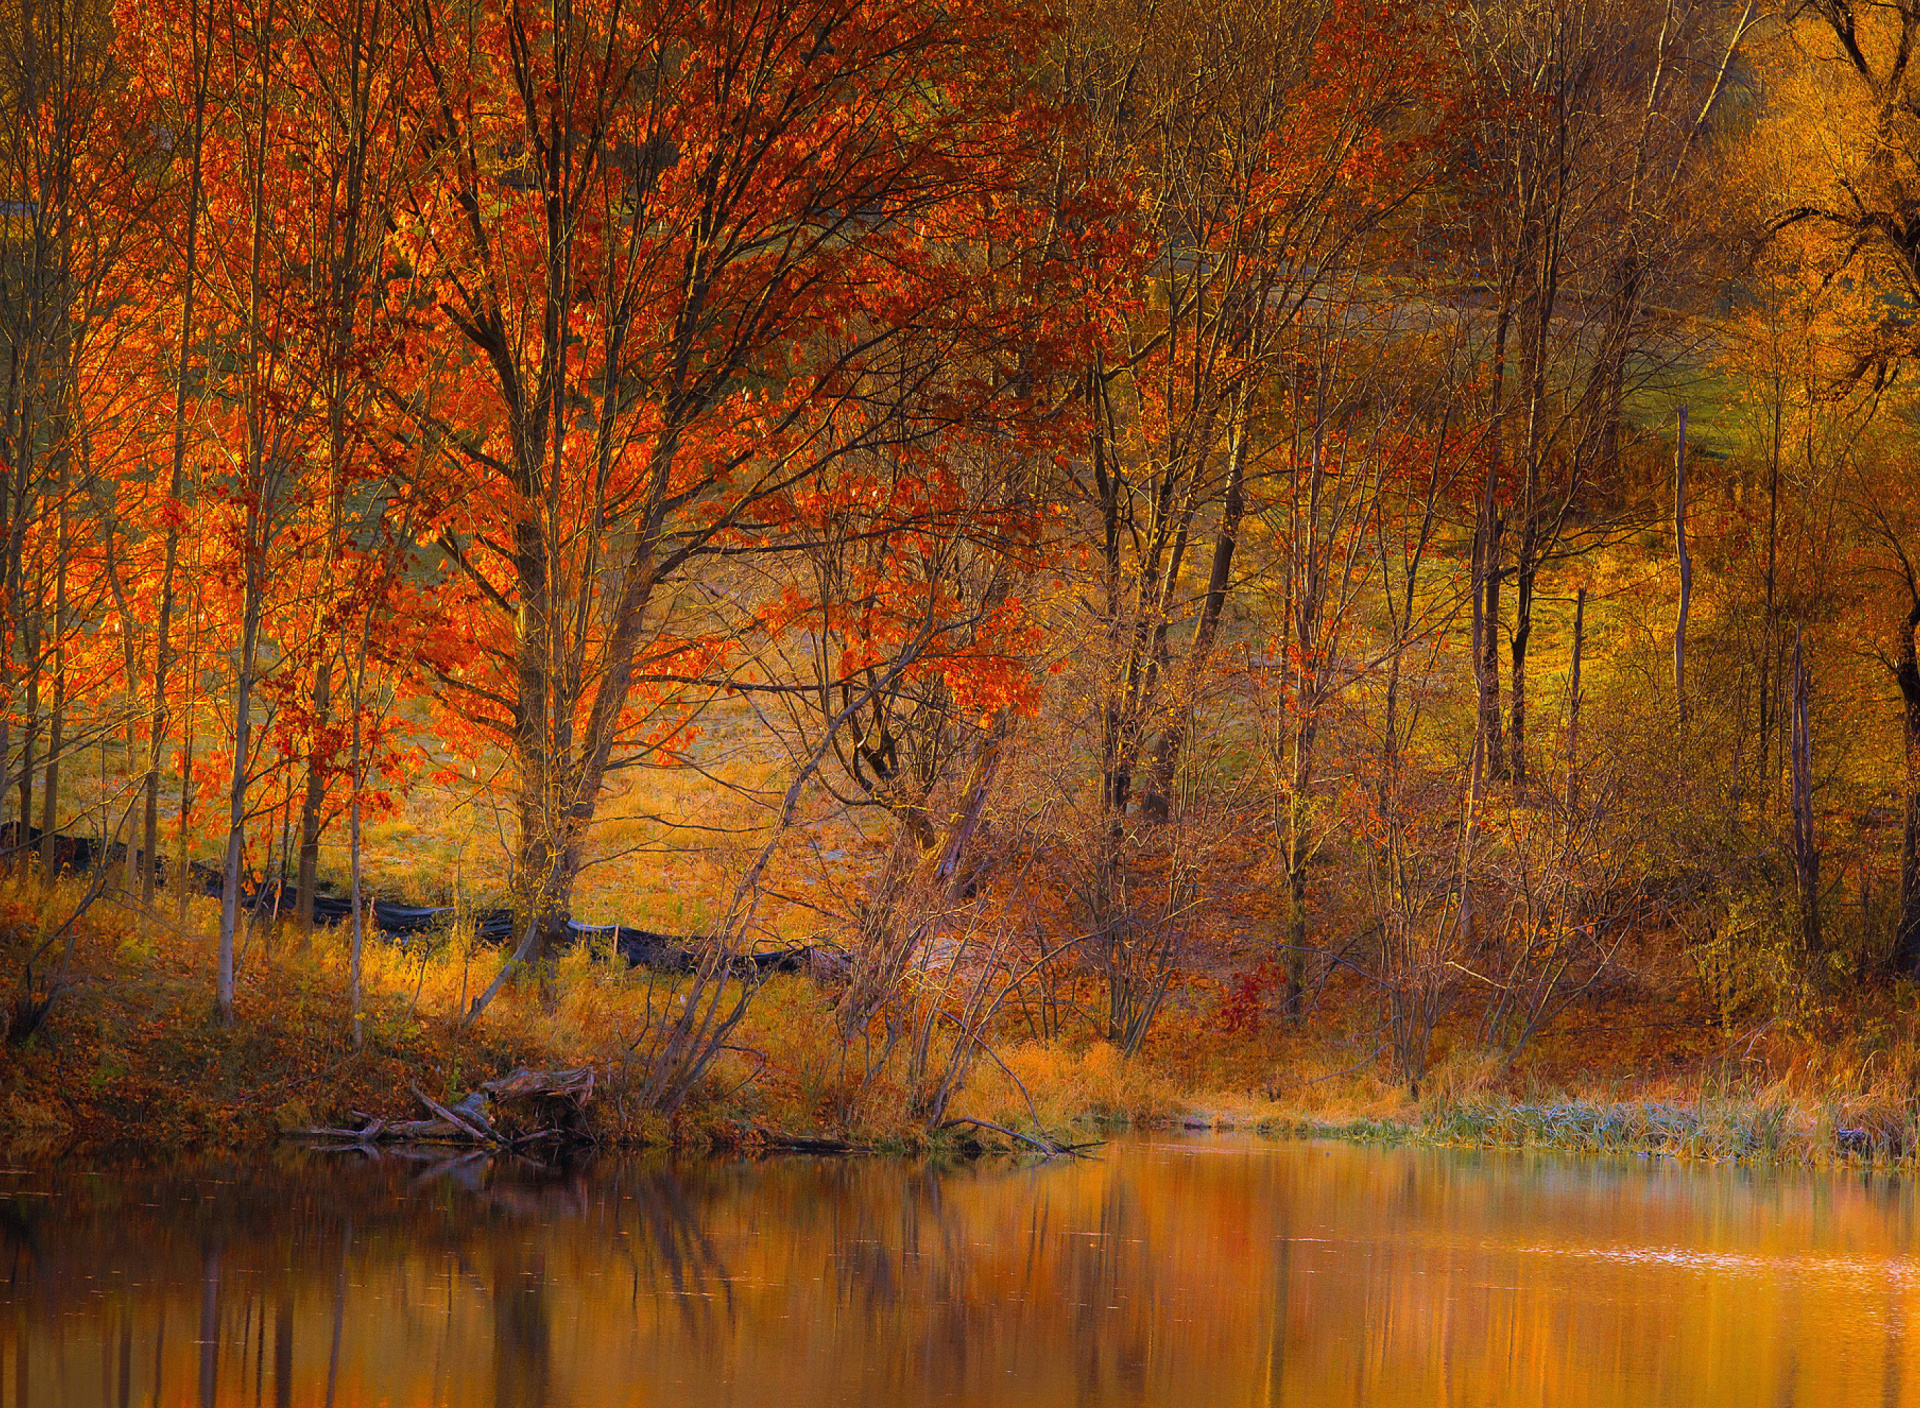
(804, 1143)
(419, 1131)
(554, 1099)
(575, 1083)
(475, 1124)
(1049, 1147)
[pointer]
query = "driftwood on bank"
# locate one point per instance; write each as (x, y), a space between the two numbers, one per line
(514, 1113)
(773, 1139)
(1051, 1148)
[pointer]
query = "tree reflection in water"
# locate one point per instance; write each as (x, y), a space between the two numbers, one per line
(522, 1331)
(1159, 1274)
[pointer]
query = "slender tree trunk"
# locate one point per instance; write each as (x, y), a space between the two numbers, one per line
(30, 728)
(1488, 665)
(1294, 995)
(57, 721)
(1573, 703)
(1523, 587)
(183, 873)
(1686, 566)
(260, 469)
(1806, 860)
(50, 778)
(1485, 585)
(1906, 938)
(1466, 913)
(130, 663)
(343, 288)
(1157, 803)
(20, 680)
(542, 748)
(1310, 650)
(50, 772)
(313, 801)
(230, 889)
(176, 484)
(1297, 849)
(1536, 320)
(9, 573)
(1769, 617)
(353, 840)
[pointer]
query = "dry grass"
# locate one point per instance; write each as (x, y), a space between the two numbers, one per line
(131, 1060)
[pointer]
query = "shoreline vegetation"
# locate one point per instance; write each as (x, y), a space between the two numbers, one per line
(138, 1069)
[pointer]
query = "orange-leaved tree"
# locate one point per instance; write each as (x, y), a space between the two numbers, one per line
(687, 257)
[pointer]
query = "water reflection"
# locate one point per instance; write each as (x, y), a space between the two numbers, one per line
(1163, 1273)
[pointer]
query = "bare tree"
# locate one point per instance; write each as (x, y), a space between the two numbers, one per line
(1592, 119)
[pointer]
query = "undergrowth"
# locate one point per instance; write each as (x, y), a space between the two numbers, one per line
(130, 1060)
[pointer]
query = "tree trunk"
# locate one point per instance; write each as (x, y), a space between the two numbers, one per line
(1297, 847)
(1523, 584)
(1158, 801)
(1543, 292)
(1906, 937)
(50, 783)
(230, 890)
(543, 746)
(50, 780)
(1294, 995)
(1573, 703)
(353, 842)
(343, 288)
(561, 775)
(1686, 567)
(9, 574)
(157, 734)
(183, 873)
(57, 722)
(1768, 618)
(313, 801)
(1487, 667)
(1485, 585)
(176, 484)
(1806, 860)
(29, 728)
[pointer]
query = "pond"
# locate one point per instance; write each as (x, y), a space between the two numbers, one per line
(1207, 1271)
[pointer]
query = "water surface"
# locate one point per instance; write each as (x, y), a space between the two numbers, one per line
(1202, 1272)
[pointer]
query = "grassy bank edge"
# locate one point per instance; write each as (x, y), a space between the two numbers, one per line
(1758, 1131)
(130, 1065)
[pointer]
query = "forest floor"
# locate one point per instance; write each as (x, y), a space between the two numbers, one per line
(129, 1061)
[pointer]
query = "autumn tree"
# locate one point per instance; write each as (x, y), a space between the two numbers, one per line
(1371, 444)
(1837, 154)
(352, 66)
(74, 160)
(1588, 119)
(691, 255)
(916, 619)
(1263, 145)
(1265, 151)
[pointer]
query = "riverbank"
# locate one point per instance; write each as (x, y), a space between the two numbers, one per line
(1762, 1127)
(129, 1062)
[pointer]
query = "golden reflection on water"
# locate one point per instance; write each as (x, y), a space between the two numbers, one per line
(1215, 1272)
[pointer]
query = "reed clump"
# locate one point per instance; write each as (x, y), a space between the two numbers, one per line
(1764, 1129)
